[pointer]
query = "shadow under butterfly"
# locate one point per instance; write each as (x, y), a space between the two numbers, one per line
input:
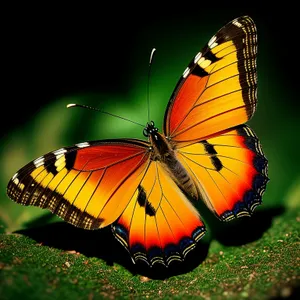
(103, 245)
(148, 191)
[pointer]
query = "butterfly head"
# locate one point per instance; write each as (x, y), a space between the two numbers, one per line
(150, 129)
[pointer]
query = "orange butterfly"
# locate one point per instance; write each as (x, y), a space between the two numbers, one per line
(146, 190)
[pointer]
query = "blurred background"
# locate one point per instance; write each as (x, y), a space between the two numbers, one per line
(99, 57)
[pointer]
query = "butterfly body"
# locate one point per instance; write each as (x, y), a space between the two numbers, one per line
(146, 190)
(165, 153)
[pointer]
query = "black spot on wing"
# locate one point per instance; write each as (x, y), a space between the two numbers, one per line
(210, 149)
(217, 163)
(143, 202)
(210, 56)
(50, 160)
(198, 71)
(71, 157)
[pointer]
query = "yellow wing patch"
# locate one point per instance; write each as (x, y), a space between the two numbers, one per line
(218, 88)
(159, 224)
(230, 171)
(86, 198)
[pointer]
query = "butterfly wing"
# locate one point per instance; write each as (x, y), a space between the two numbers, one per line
(159, 225)
(218, 88)
(230, 171)
(215, 94)
(88, 185)
(95, 184)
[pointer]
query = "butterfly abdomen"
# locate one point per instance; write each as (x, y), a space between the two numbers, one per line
(163, 152)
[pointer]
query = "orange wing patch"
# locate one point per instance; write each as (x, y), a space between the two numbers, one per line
(159, 225)
(230, 171)
(218, 89)
(87, 185)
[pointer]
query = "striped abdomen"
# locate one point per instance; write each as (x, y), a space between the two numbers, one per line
(163, 152)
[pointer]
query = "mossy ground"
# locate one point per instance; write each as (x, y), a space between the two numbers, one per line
(58, 261)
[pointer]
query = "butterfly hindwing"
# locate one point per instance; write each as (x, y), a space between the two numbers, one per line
(230, 171)
(218, 89)
(88, 185)
(159, 224)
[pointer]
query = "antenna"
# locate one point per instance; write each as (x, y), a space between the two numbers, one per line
(102, 111)
(148, 83)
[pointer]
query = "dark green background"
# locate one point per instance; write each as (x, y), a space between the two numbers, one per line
(99, 57)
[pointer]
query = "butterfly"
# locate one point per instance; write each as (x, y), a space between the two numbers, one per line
(147, 190)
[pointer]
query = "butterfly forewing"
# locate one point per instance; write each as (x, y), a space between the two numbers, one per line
(218, 88)
(88, 185)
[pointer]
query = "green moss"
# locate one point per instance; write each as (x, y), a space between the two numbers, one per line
(259, 269)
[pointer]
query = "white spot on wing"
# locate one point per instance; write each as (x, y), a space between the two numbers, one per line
(212, 41)
(58, 156)
(15, 179)
(213, 45)
(201, 60)
(197, 57)
(39, 161)
(82, 145)
(186, 72)
(237, 23)
(59, 151)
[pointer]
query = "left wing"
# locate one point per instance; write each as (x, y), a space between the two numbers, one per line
(218, 88)
(87, 185)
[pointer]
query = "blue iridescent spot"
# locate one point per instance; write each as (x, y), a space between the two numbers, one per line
(250, 197)
(138, 248)
(259, 163)
(198, 231)
(259, 181)
(154, 252)
(171, 249)
(121, 231)
(240, 206)
(185, 243)
(226, 214)
(250, 143)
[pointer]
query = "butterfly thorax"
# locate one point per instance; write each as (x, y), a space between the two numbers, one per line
(163, 152)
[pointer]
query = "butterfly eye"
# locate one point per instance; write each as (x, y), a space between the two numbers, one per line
(145, 132)
(152, 123)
